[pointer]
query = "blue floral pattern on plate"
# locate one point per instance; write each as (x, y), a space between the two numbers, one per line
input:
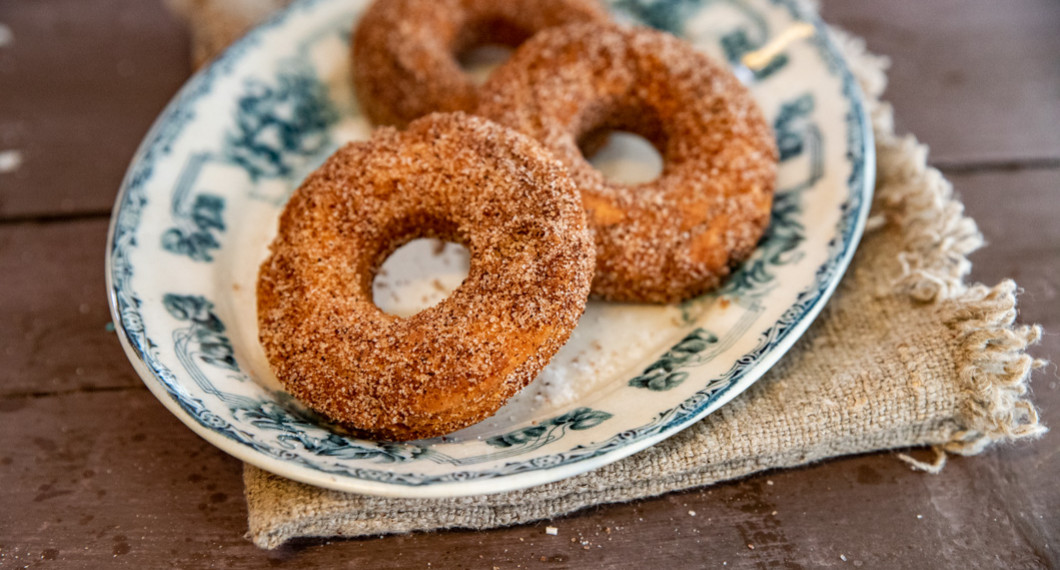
(190, 226)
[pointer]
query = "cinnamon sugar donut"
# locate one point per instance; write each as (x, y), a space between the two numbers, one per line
(405, 51)
(450, 176)
(680, 234)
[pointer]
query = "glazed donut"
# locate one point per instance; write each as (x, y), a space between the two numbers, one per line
(405, 51)
(678, 235)
(449, 176)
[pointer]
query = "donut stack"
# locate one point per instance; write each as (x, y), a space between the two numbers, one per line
(498, 168)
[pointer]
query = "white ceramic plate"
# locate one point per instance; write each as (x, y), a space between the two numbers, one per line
(200, 203)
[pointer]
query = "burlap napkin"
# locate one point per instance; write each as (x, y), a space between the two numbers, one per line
(905, 354)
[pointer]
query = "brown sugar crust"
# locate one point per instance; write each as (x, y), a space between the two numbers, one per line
(450, 176)
(405, 51)
(678, 235)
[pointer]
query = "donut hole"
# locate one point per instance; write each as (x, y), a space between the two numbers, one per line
(484, 45)
(480, 61)
(625, 158)
(419, 275)
(625, 143)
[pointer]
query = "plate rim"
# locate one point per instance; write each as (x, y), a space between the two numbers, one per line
(837, 266)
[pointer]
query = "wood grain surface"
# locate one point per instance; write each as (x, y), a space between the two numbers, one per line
(94, 472)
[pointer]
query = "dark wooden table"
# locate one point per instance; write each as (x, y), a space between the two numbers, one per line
(94, 472)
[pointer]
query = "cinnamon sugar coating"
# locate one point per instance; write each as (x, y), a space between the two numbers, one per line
(676, 236)
(405, 51)
(450, 176)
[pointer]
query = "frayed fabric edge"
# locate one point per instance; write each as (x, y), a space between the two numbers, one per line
(933, 265)
(938, 237)
(933, 467)
(995, 370)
